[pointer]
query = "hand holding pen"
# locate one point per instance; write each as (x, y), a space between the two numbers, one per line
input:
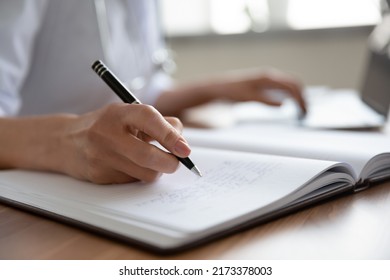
(180, 145)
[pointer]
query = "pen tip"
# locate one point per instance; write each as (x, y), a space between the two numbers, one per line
(196, 171)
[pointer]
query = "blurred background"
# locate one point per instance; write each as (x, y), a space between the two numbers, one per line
(323, 42)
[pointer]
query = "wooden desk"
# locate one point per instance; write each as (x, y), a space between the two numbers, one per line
(351, 227)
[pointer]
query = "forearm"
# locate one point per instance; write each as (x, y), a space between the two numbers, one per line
(33, 143)
(254, 87)
(174, 102)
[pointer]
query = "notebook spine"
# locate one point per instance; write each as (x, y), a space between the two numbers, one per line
(361, 185)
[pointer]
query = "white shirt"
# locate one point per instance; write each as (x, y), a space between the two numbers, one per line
(47, 49)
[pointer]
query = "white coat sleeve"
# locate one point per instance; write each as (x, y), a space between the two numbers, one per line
(20, 21)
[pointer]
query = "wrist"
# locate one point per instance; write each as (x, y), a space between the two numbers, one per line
(56, 148)
(35, 143)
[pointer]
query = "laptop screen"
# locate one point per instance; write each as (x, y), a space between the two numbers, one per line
(376, 85)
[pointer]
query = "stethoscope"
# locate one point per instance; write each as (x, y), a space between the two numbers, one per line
(160, 58)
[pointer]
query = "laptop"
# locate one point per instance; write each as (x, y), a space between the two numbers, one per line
(327, 108)
(346, 109)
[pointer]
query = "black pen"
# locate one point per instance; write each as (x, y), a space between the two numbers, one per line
(114, 83)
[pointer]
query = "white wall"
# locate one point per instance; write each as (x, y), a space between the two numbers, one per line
(333, 57)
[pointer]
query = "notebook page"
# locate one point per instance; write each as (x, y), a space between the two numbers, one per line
(233, 184)
(354, 148)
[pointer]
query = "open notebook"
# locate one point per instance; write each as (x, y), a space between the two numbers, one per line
(238, 190)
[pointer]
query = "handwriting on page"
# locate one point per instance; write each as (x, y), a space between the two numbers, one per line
(226, 179)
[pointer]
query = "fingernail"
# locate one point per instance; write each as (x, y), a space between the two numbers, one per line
(181, 148)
